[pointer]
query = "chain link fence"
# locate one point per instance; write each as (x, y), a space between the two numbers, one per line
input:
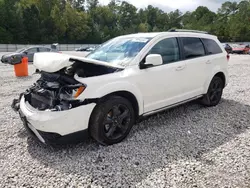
(60, 47)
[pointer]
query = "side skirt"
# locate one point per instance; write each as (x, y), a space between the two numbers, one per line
(171, 106)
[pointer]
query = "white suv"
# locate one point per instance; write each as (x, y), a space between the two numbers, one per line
(125, 78)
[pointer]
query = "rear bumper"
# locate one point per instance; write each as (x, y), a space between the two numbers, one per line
(59, 126)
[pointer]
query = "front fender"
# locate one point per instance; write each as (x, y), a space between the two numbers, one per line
(121, 86)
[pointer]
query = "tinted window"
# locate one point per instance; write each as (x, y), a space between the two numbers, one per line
(32, 50)
(193, 47)
(44, 49)
(212, 46)
(168, 49)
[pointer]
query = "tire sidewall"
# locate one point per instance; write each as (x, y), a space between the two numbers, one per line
(215, 79)
(100, 112)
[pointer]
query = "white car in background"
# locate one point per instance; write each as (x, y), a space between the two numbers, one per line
(126, 78)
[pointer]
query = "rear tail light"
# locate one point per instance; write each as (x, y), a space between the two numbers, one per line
(228, 57)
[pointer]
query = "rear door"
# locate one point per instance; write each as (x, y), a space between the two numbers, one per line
(215, 58)
(195, 74)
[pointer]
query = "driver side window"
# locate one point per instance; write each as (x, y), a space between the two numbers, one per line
(168, 49)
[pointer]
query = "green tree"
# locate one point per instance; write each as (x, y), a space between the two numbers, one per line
(127, 17)
(92, 4)
(201, 19)
(87, 21)
(11, 22)
(228, 8)
(31, 23)
(59, 22)
(239, 22)
(143, 27)
(174, 18)
(76, 24)
(77, 4)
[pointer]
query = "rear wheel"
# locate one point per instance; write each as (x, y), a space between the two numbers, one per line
(112, 120)
(214, 93)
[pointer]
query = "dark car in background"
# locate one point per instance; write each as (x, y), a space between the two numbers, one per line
(26, 52)
(228, 48)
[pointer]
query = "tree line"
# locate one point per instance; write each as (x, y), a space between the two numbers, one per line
(87, 21)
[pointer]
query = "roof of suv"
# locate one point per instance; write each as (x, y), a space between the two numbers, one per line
(154, 34)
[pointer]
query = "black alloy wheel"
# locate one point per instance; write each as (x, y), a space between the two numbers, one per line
(117, 121)
(215, 90)
(112, 120)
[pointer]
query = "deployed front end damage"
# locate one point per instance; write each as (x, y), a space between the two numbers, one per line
(50, 108)
(52, 92)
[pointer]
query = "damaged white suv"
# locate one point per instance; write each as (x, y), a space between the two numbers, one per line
(125, 78)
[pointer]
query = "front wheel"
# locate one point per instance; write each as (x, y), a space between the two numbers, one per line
(112, 120)
(214, 93)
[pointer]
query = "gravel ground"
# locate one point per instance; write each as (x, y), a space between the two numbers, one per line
(188, 146)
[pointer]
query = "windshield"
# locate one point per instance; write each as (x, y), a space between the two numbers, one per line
(20, 50)
(119, 51)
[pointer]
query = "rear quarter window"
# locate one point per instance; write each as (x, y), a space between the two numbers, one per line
(44, 49)
(211, 46)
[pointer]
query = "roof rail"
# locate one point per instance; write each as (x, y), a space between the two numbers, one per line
(187, 30)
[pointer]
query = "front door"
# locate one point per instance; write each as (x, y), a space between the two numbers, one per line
(162, 85)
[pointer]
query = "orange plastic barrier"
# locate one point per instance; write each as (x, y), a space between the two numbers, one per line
(21, 69)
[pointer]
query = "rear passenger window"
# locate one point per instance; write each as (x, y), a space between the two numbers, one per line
(44, 49)
(211, 46)
(168, 49)
(193, 47)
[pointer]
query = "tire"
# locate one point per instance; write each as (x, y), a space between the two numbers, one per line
(111, 120)
(214, 93)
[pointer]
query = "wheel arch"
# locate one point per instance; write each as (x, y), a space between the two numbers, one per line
(123, 88)
(122, 93)
(129, 96)
(219, 74)
(222, 76)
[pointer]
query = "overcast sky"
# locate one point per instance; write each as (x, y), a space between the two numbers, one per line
(183, 5)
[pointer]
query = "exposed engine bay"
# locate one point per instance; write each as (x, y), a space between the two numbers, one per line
(58, 91)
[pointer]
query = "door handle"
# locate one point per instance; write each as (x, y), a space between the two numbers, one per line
(208, 62)
(180, 68)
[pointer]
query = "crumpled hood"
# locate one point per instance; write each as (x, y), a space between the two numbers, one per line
(53, 62)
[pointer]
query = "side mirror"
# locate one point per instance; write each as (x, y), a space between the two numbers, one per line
(152, 60)
(26, 53)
